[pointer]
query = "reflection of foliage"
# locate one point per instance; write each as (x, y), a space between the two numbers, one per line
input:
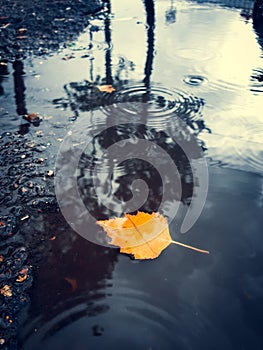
(257, 76)
(124, 174)
(85, 96)
(257, 80)
(245, 5)
(170, 15)
(258, 20)
(3, 72)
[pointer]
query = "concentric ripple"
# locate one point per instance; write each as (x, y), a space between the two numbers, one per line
(93, 318)
(161, 103)
(194, 80)
(198, 54)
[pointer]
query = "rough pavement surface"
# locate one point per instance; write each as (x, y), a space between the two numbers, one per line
(39, 27)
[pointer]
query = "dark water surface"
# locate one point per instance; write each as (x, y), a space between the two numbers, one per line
(199, 63)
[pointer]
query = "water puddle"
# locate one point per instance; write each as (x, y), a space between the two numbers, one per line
(184, 76)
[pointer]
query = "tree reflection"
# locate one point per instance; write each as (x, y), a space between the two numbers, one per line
(257, 76)
(3, 72)
(119, 183)
(84, 96)
(170, 15)
(69, 284)
(258, 20)
(150, 21)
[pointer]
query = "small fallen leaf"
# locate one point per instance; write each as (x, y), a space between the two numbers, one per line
(106, 88)
(6, 291)
(67, 57)
(1, 258)
(32, 117)
(8, 319)
(21, 279)
(142, 235)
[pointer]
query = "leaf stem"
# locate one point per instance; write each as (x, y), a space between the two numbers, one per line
(190, 247)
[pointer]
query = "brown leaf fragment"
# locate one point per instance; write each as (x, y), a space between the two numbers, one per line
(21, 279)
(68, 57)
(6, 291)
(72, 282)
(32, 117)
(106, 88)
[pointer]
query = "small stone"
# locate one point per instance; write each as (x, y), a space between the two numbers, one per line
(22, 30)
(50, 172)
(2, 341)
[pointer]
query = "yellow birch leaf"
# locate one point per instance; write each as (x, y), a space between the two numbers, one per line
(142, 235)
